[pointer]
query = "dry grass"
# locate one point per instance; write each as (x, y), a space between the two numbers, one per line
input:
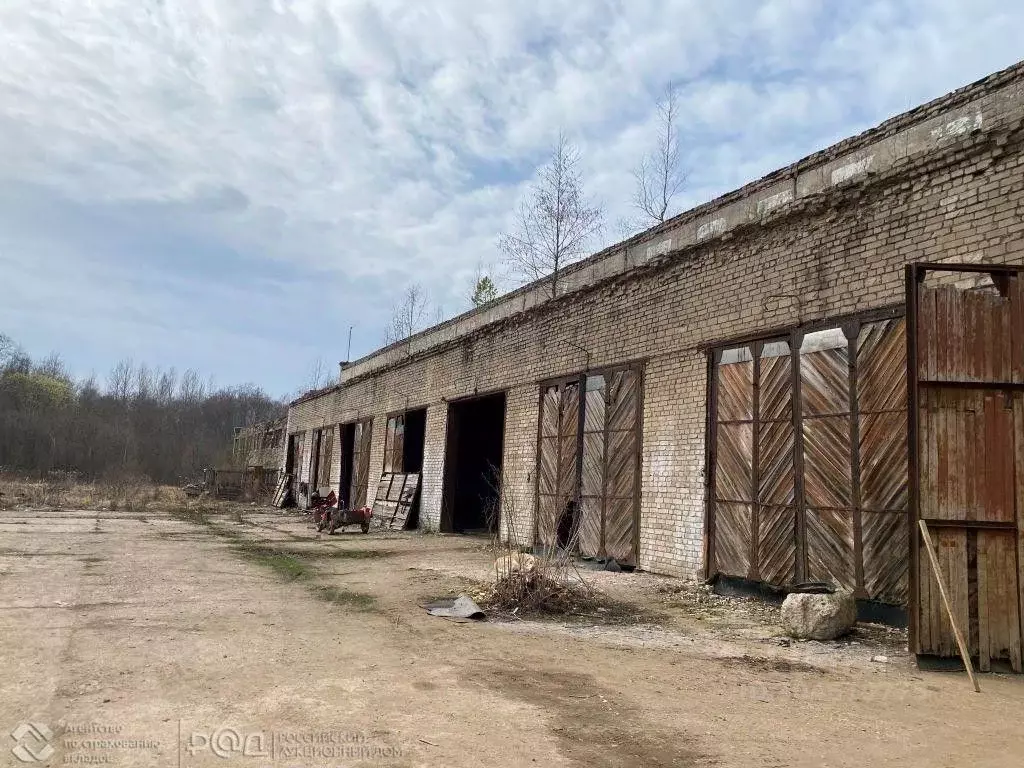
(64, 491)
(548, 583)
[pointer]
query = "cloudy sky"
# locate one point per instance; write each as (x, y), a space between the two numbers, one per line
(228, 185)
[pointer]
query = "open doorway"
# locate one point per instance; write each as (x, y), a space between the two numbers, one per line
(473, 462)
(355, 463)
(404, 438)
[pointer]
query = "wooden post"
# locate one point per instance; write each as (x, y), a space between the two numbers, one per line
(964, 653)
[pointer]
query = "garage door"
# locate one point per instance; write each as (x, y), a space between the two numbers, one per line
(808, 478)
(588, 464)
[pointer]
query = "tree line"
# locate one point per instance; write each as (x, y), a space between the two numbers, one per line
(139, 421)
(556, 224)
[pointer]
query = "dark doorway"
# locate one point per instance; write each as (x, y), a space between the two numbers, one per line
(403, 442)
(355, 463)
(415, 435)
(473, 461)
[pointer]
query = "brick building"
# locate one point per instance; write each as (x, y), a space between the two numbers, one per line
(724, 393)
(259, 445)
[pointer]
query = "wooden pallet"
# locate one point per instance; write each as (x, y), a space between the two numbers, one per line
(396, 494)
(281, 492)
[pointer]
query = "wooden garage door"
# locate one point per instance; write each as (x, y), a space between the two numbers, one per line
(361, 442)
(755, 516)
(968, 387)
(608, 481)
(589, 462)
(557, 470)
(808, 458)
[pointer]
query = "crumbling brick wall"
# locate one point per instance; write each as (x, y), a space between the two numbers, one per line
(946, 183)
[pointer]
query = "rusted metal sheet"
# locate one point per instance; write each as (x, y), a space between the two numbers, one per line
(827, 405)
(967, 432)
(968, 334)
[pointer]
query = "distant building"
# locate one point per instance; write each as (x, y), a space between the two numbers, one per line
(260, 445)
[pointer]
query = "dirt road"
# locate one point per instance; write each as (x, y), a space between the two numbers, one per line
(183, 639)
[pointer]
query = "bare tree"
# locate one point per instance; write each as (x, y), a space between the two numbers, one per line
(409, 314)
(660, 175)
(555, 223)
(119, 380)
(318, 375)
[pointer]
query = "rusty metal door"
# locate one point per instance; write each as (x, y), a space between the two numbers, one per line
(807, 460)
(967, 460)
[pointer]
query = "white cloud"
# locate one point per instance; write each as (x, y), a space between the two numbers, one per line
(380, 142)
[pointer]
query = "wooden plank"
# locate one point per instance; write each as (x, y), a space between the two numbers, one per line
(1000, 630)
(775, 463)
(830, 546)
(1016, 294)
(885, 555)
(926, 333)
(825, 382)
(1018, 442)
(736, 391)
(953, 618)
(777, 544)
(732, 538)
(734, 462)
(984, 620)
(828, 475)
